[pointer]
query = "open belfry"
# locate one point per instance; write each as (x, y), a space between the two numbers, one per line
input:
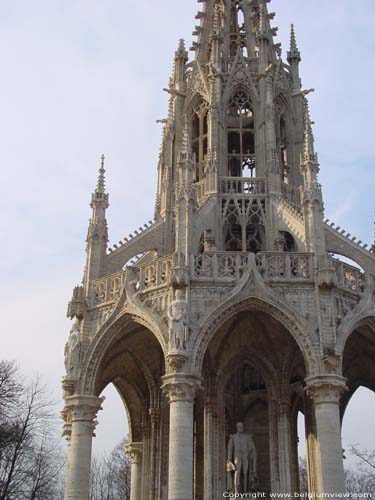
(233, 310)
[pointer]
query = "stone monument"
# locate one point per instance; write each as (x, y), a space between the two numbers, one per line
(241, 461)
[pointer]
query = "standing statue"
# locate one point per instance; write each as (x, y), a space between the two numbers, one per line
(242, 460)
(177, 313)
(73, 353)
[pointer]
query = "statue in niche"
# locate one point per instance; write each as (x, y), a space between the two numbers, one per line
(177, 313)
(241, 462)
(73, 353)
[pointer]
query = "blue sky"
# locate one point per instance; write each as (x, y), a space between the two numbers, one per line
(84, 77)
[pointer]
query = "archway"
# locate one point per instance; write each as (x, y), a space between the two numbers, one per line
(253, 372)
(135, 372)
(358, 404)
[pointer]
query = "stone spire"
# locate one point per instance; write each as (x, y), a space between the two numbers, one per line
(293, 53)
(100, 187)
(294, 58)
(97, 234)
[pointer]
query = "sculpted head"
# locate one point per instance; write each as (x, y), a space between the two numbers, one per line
(239, 427)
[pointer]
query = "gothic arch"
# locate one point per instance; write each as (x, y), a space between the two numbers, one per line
(281, 314)
(348, 328)
(262, 365)
(121, 327)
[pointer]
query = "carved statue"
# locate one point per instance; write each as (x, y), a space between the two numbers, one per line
(73, 353)
(242, 461)
(177, 322)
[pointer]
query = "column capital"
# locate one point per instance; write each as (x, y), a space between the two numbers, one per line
(135, 451)
(82, 408)
(326, 388)
(181, 387)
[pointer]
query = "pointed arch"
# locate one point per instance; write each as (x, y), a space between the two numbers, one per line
(280, 313)
(123, 328)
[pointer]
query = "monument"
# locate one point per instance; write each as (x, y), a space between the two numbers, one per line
(233, 305)
(242, 461)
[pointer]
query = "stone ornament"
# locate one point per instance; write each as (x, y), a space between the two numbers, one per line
(178, 329)
(73, 353)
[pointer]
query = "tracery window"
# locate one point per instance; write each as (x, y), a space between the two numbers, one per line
(243, 229)
(241, 142)
(200, 137)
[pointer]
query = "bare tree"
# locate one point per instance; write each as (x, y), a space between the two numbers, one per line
(361, 478)
(30, 458)
(110, 477)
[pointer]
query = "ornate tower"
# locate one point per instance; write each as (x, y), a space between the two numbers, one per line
(231, 306)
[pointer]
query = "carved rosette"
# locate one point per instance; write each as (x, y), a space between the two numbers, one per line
(183, 388)
(326, 388)
(134, 451)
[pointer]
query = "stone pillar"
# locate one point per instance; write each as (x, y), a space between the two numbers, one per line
(83, 410)
(135, 453)
(326, 390)
(284, 447)
(154, 417)
(209, 408)
(181, 391)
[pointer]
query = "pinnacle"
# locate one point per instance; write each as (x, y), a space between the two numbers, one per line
(181, 50)
(309, 137)
(100, 187)
(293, 53)
(293, 41)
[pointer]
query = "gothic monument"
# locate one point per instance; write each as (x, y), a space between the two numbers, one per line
(231, 312)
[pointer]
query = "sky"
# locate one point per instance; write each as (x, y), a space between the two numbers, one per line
(84, 77)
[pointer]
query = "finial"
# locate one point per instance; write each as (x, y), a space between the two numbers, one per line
(294, 53)
(293, 41)
(181, 50)
(100, 187)
(309, 137)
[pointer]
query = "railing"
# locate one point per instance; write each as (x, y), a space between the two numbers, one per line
(254, 186)
(108, 289)
(349, 277)
(275, 266)
(291, 194)
(154, 274)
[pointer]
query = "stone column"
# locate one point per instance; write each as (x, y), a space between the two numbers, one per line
(135, 453)
(83, 410)
(326, 390)
(154, 418)
(284, 447)
(209, 408)
(181, 391)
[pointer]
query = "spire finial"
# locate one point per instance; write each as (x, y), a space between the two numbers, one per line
(309, 152)
(181, 50)
(293, 41)
(100, 187)
(294, 53)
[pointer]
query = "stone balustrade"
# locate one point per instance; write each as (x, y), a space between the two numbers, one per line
(155, 274)
(253, 186)
(108, 289)
(349, 277)
(273, 266)
(227, 266)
